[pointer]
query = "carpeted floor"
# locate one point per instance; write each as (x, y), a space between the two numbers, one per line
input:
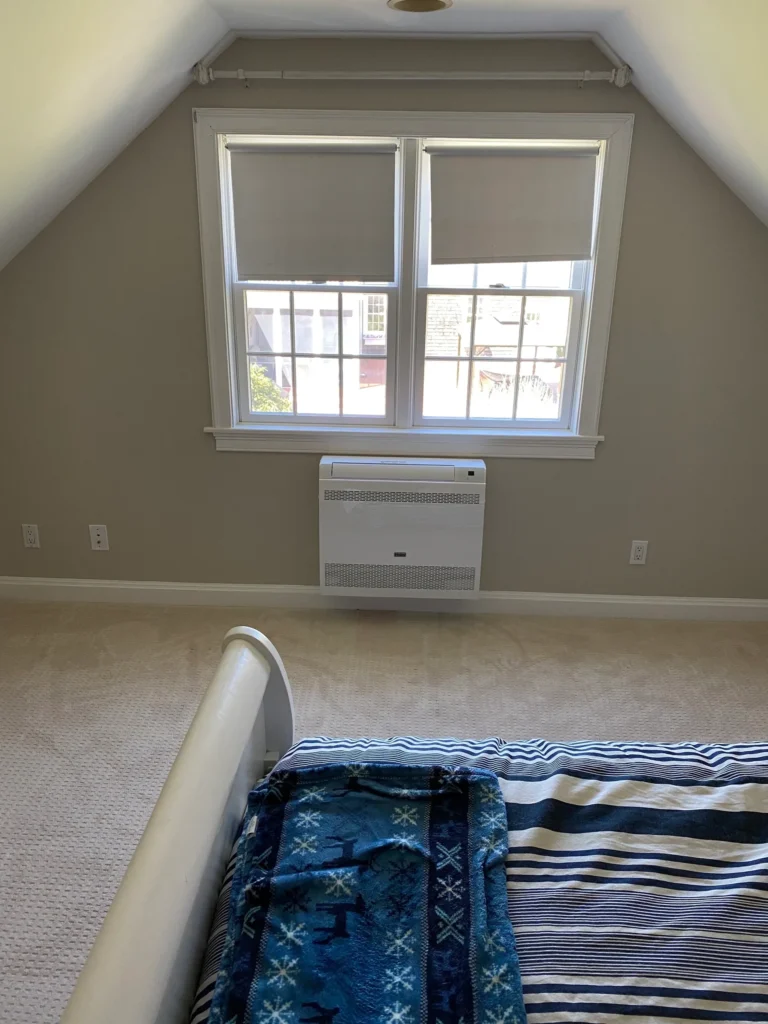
(95, 701)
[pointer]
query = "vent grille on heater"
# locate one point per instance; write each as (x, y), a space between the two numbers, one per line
(417, 497)
(399, 577)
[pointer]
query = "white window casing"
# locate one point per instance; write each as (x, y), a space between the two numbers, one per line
(413, 206)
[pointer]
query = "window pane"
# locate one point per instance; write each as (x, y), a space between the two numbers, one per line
(546, 326)
(365, 324)
(493, 390)
(445, 389)
(508, 275)
(317, 322)
(476, 275)
(269, 383)
(497, 326)
(549, 275)
(552, 353)
(317, 386)
(452, 275)
(268, 319)
(540, 391)
(365, 387)
(449, 325)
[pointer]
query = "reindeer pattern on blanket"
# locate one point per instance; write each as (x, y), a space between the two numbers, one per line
(371, 894)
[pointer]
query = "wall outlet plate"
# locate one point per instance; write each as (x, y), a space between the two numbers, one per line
(638, 552)
(99, 538)
(31, 535)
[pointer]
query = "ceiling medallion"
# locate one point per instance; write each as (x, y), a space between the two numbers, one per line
(419, 6)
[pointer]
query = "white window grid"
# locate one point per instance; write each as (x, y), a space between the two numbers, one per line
(337, 292)
(579, 277)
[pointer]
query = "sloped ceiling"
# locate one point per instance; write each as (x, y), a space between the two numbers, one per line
(83, 77)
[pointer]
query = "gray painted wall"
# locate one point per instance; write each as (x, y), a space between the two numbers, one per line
(104, 386)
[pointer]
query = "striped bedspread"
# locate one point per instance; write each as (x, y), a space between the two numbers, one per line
(637, 874)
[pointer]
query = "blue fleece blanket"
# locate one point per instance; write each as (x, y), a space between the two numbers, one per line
(371, 894)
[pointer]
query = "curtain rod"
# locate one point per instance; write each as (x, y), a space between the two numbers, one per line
(620, 76)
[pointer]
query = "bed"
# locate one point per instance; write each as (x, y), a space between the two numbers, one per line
(637, 874)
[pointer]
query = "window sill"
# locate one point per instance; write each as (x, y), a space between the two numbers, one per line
(434, 441)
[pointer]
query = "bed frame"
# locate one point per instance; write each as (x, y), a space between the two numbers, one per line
(144, 963)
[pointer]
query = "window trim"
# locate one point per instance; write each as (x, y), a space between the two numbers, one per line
(579, 440)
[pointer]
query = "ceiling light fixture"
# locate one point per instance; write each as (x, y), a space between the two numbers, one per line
(419, 6)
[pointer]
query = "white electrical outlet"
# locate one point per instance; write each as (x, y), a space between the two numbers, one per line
(99, 538)
(31, 535)
(638, 552)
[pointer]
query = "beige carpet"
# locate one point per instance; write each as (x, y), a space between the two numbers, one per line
(95, 701)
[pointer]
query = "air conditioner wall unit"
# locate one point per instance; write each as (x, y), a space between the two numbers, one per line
(401, 527)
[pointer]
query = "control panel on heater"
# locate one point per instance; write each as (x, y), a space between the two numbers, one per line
(407, 527)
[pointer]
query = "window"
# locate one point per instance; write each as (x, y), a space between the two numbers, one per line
(376, 317)
(409, 290)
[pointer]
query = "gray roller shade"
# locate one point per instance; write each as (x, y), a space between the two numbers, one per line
(492, 206)
(314, 214)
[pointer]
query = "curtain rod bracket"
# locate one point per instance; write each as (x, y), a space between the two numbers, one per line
(201, 73)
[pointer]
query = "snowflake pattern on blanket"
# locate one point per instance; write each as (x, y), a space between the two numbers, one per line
(371, 895)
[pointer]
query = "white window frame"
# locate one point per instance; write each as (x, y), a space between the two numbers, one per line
(576, 438)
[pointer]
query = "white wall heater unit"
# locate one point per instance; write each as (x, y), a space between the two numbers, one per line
(401, 527)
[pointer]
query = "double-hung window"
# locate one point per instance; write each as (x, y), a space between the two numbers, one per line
(403, 283)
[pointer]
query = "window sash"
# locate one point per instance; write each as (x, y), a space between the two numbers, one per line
(239, 320)
(570, 361)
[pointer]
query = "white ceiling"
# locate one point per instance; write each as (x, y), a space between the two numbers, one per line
(85, 76)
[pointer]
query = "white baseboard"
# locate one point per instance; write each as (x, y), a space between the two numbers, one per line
(500, 602)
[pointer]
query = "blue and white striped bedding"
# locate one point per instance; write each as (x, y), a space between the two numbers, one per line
(637, 874)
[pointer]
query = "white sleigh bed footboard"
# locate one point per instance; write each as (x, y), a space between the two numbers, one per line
(143, 966)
